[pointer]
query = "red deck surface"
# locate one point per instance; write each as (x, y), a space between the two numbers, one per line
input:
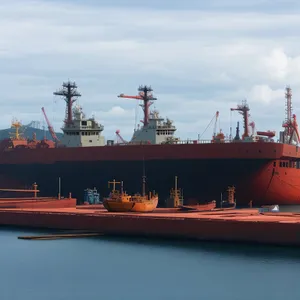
(245, 225)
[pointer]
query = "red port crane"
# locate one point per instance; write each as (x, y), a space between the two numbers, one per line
(120, 140)
(244, 109)
(50, 128)
(145, 94)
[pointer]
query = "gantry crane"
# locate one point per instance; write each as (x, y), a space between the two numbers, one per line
(145, 94)
(50, 128)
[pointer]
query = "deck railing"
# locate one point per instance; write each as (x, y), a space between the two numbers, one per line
(190, 141)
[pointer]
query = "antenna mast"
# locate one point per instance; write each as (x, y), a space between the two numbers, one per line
(288, 109)
(145, 94)
(290, 124)
(68, 92)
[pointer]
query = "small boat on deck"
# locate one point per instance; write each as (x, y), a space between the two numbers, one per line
(176, 200)
(120, 201)
(199, 207)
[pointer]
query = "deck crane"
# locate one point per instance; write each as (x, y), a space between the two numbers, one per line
(50, 128)
(217, 137)
(120, 140)
(215, 126)
(145, 94)
(244, 110)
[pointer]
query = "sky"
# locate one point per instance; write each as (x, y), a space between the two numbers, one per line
(198, 57)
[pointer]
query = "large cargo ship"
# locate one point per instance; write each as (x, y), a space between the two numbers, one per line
(263, 171)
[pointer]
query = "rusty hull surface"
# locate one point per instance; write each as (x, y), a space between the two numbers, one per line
(244, 225)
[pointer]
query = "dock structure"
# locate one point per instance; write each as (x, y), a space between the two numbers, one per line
(243, 225)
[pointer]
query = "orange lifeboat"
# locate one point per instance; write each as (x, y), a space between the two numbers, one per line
(268, 133)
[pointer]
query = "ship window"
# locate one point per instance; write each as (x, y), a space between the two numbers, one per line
(83, 123)
(77, 133)
(280, 164)
(90, 141)
(274, 164)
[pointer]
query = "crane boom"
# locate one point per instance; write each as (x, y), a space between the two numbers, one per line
(145, 94)
(130, 97)
(50, 128)
(215, 126)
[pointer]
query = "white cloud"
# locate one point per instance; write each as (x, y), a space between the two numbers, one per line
(198, 61)
(263, 94)
(278, 64)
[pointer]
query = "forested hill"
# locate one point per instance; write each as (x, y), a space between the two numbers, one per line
(28, 132)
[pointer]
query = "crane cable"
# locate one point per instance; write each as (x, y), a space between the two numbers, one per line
(206, 127)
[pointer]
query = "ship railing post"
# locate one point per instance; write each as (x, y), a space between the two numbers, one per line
(59, 188)
(35, 190)
(221, 200)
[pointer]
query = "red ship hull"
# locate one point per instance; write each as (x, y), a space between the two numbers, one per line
(266, 173)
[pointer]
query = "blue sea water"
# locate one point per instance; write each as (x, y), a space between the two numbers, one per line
(119, 268)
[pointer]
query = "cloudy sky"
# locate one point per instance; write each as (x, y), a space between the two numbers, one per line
(199, 58)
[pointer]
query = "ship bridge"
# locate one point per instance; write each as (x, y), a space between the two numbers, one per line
(157, 131)
(82, 132)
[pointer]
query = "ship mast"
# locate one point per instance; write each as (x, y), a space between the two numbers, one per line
(68, 92)
(145, 94)
(288, 109)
